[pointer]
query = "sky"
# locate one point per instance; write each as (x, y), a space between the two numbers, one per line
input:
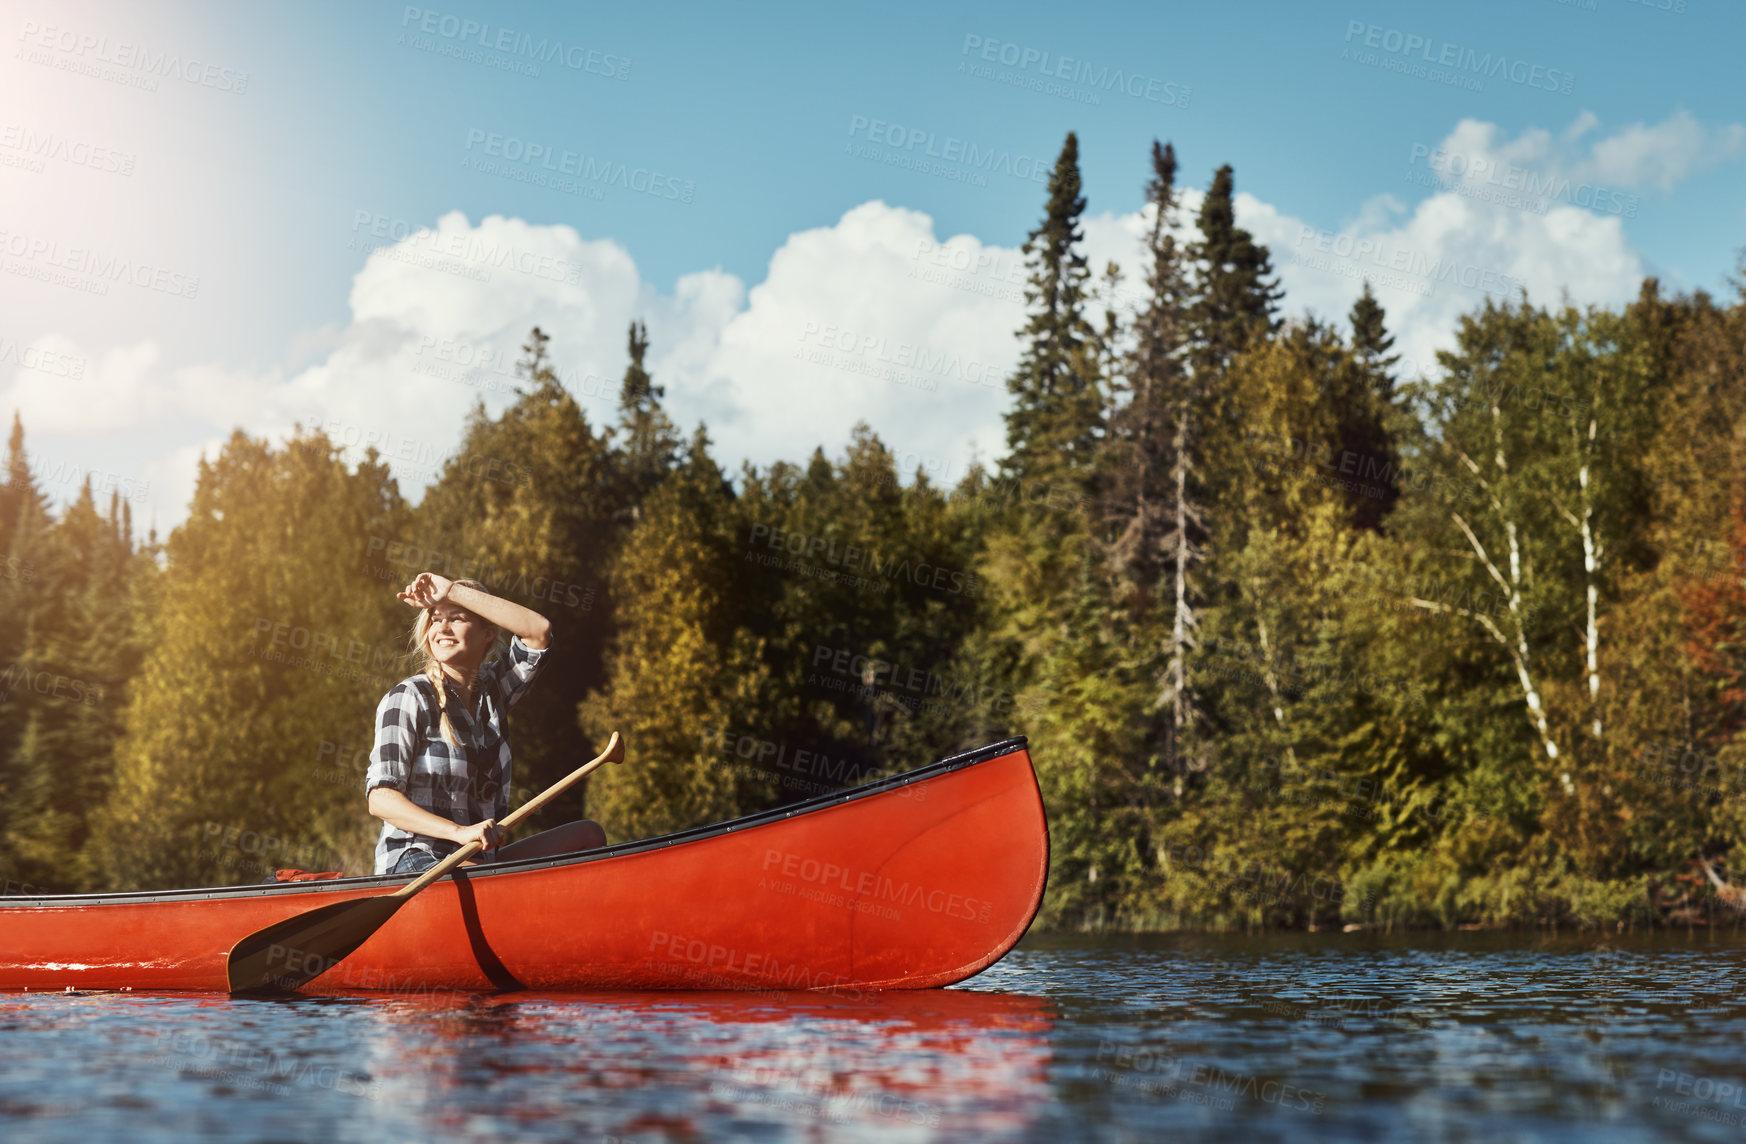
(221, 216)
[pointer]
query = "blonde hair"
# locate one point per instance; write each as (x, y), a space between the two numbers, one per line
(433, 670)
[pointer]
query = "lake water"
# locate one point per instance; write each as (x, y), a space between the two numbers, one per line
(1480, 1037)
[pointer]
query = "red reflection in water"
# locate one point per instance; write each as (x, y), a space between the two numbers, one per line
(949, 1061)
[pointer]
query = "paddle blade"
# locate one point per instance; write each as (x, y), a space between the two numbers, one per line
(299, 949)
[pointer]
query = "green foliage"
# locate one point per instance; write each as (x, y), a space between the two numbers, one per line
(1056, 419)
(531, 505)
(1296, 641)
(679, 663)
(271, 634)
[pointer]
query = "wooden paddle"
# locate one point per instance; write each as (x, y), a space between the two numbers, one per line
(292, 952)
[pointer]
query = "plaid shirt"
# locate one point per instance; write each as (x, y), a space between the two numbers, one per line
(464, 784)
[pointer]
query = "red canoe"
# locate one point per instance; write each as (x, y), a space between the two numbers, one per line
(916, 881)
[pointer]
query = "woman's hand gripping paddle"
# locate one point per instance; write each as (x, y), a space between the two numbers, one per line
(292, 952)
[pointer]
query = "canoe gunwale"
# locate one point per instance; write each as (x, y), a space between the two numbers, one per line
(958, 762)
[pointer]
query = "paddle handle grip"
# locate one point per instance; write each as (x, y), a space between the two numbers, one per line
(614, 753)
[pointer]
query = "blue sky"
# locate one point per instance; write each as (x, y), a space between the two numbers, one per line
(356, 122)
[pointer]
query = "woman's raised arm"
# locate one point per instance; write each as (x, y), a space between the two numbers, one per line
(429, 589)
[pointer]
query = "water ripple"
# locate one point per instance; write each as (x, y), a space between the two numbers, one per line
(1325, 1037)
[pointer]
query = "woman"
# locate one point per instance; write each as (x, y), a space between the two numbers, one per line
(439, 771)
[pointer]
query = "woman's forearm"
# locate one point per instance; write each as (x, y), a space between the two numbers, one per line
(533, 629)
(394, 808)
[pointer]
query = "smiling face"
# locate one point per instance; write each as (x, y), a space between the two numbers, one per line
(456, 638)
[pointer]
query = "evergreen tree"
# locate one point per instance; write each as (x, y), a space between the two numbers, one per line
(1234, 300)
(530, 506)
(1056, 419)
(23, 509)
(650, 446)
(849, 566)
(24, 518)
(1156, 448)
(682, 665)
(272, 637)
(69, 686)
(1372, 342)
(1363, 400)
(1142, 454)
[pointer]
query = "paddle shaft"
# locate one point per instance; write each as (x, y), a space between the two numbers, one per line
(614, 753)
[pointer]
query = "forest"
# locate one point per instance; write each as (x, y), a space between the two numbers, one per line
(1297, 641)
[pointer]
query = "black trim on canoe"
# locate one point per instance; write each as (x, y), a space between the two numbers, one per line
(836, 798)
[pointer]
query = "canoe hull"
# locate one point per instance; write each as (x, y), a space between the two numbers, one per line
(912, 883)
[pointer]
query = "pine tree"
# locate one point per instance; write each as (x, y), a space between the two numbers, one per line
(1141, 454)
(271, 639)
(650, 446)
(1363, 401)
(682, 664)
(69, 684)
(1234, 300)
(530, 505)
(1155, 450)
(1056, 419)
(849, 561)
(1372, 342)
(24, 517)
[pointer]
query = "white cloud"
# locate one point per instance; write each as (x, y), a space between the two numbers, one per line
(875, 317)
(1667, 153)
(1535, 211)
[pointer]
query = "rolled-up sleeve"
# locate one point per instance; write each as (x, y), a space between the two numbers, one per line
(519, 669)
(396, 740)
